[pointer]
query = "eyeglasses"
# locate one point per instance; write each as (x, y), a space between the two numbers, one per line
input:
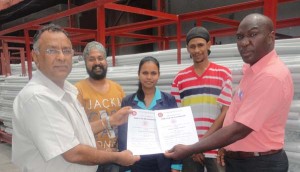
(56, 52)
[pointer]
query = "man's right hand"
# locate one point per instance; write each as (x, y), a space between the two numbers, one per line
(120, 117)
(126, 158)
(179, 152)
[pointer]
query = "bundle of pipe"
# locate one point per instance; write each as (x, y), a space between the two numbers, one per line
(126, 75)
(9, 89)
(283, 47)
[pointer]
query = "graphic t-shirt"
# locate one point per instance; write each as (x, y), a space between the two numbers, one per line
(97, 105)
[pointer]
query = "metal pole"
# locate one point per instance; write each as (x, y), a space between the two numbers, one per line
(270, 10)
(6, 58)
(113, 50)
(29, 58)
(22, 55)
(179, 41)
(3, 64)
(101, 25)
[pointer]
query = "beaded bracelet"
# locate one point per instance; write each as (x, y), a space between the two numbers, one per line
(104, 126)
(108, 123)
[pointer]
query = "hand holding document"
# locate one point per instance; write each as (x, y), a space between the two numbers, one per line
(151, 132)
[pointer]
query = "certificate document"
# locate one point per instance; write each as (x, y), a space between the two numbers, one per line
(142, 137)
(151, 132)
(176, 126)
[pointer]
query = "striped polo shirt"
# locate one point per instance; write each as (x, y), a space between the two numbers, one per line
(205, 94)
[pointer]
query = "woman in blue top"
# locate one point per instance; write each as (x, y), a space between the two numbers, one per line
(149, 97)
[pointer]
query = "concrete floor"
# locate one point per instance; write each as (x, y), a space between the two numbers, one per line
(5, 159)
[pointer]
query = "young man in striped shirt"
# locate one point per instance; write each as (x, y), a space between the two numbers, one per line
(206, 87)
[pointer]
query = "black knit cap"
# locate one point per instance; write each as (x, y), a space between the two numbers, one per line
(198, 32)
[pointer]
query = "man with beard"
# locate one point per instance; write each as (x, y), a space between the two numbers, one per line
(206, 87)
(100, 97)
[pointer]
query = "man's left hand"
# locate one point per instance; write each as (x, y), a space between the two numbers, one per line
(120, 117)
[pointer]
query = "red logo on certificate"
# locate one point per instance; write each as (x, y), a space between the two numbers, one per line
(133, 113)
(160, 114)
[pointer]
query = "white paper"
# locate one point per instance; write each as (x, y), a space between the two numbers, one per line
(176, 126)
(142, 137)
(151, 132)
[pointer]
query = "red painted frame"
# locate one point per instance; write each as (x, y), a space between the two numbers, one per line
(160, 19)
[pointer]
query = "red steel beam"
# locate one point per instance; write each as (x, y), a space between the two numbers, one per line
(83, 37)
(179, 42)
(223, 32)
(141, 11)
(137, 26)
(22, 55)
(13, 48)
(69, 17)
(21, 40)
(213, 33)
(227, 9)
(222, 10)
(69, 30)
(166, 44)
(14, 58)
(158, 22)
(188, 16)
(95, 4)
(3, 70)
(29, 58)
(285, 1)
(270, 10)
(79, 43)
(231, 31)
(75, 10)
(141, 36)
(220, 20)
(113, 50)
(101, 25)
(288, 23)
(6, 58)
(14, 39)
(133, 43)
(161, 29)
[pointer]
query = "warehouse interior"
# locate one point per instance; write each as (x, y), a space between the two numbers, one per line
(131, 29)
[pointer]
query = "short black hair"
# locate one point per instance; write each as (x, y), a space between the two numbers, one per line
(49, 27)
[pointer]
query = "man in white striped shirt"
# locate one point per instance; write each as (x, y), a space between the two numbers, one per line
(206, 87)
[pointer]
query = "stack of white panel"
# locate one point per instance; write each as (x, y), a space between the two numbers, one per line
(126, 75)
(8, 91)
